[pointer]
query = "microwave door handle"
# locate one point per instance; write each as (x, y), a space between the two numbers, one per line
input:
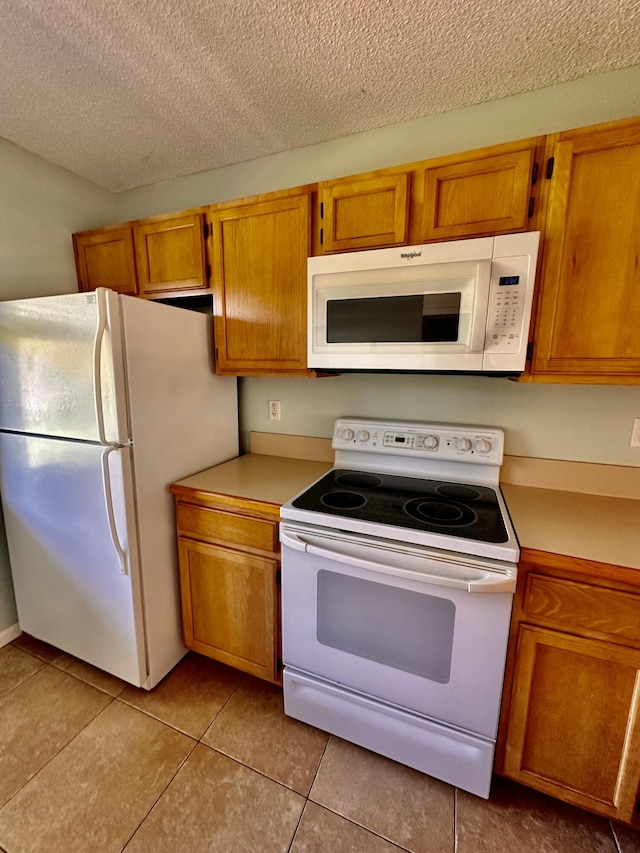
(483, 289)
(491, 582)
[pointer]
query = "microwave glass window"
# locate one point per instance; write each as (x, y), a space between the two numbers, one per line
(400, 628)
(421, 318)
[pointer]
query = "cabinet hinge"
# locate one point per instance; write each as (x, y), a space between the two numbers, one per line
(321, 236)
(205, 230)
(530, 351)
(207, 270)
(550, 164)
(531, 204)
(534, 174)
(321, 210)
(278, 577)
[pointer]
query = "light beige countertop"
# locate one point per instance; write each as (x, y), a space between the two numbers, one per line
(592, 527)
(269, 479)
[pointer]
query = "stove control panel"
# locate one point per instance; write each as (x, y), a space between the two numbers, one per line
(442, 441)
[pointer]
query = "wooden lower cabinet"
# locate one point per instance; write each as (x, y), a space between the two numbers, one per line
(570, 723)
(229, 585)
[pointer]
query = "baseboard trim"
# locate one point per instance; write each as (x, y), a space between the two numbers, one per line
(9, 634)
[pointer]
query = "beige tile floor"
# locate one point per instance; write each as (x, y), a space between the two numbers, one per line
(208, 762)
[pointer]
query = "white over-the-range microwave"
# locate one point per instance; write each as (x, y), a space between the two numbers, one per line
(459, 306)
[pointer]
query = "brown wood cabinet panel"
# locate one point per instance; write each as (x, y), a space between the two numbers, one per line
(569, 722)
(589, 309)
(366, 212)
(574, 729)
(229, 607)
(170, 253)
(214, 526)
(105, 258)
(479, 197)
(260, 252)
(590, 610)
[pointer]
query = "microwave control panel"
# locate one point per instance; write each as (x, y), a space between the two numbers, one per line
(509, 307)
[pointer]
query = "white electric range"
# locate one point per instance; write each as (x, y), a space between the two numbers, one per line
(398, 574)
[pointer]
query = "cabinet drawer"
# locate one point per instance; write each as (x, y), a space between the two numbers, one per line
(583, 608)
(212, 525)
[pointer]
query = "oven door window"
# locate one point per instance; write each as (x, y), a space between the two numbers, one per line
(419, 318)
(409, 631)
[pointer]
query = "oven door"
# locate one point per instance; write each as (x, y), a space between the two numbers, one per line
(418, 628)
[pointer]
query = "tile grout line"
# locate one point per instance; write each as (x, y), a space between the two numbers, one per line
(162, 792)
(65, 745)
(616, 843)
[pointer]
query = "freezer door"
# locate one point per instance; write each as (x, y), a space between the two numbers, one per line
(71, 590)
(61, 369)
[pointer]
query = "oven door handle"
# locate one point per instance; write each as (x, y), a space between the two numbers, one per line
(485, 581)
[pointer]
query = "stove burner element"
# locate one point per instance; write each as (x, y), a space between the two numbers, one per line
(456, 492)
(388, 504)
(440, 513)
(354, 480)
(343, 500)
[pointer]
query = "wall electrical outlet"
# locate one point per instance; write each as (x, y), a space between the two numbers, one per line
(274, 410)
(635, 433)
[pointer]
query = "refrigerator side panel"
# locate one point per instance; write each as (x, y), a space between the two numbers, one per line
(183, 419)
(47, 357)
(70, 590)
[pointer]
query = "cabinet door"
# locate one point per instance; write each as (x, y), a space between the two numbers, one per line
(574, 726)
(363, 213)
(589, 308)
(260, 252)
(105, 258)
(229, 606)
(170, 253)
(478, 197)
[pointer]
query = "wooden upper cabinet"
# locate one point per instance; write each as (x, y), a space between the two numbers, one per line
(260, 249)
(478, 194)
(589, 303)
(365, 212)
(105, 258)
(170, 253)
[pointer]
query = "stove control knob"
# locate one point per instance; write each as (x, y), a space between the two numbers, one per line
(364, 435)
(463, 444)
(431, 441)
(347, 434)
(483, 446)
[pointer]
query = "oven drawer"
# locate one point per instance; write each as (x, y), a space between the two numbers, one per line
(212, 525)
(456, 757)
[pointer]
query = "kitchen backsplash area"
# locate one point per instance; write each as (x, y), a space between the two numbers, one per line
(573, 422)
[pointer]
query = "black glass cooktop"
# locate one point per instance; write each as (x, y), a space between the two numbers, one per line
(467, 511)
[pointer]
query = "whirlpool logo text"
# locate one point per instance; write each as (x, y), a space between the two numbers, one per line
(410, 255)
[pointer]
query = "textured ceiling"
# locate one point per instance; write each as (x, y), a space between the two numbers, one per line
(131, 92)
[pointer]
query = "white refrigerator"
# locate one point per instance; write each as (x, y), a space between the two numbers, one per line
(104, 401)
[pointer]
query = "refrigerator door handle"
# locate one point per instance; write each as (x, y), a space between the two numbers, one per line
(108, 500)
(97, 365)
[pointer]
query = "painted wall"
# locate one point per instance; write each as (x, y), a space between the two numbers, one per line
(559, 422)
(40, 207)
(594, 99)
